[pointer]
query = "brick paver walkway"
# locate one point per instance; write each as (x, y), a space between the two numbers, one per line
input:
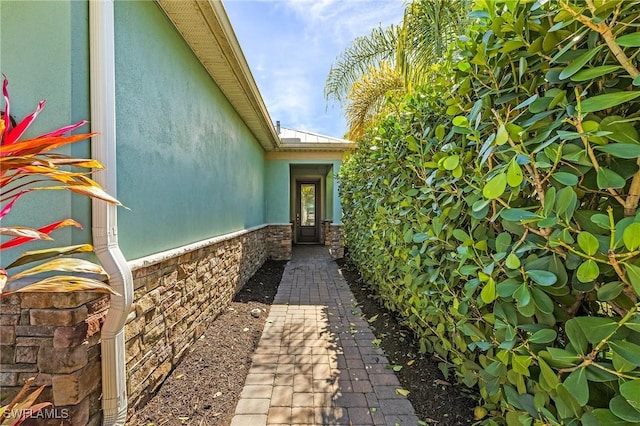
(316, 363)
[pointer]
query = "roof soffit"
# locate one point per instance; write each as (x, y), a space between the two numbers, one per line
(206, 28)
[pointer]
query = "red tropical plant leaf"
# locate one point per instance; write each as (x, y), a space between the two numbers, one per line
(45, 230)
(6, 209)
(7, 117)
(65, 129)
(14, 134)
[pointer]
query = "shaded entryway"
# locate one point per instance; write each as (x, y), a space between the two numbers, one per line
(316, 363)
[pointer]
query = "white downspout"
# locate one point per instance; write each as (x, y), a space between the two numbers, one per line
(104, 216)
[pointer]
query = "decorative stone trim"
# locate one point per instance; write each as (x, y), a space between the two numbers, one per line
(177, 294)
(177, 297)
(279, 241)
(334, 239)
(55, 338)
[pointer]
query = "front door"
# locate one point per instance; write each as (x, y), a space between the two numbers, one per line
(307, 212)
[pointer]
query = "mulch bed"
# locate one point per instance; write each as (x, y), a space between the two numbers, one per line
(204, 389)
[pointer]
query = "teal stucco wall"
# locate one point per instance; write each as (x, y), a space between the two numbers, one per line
(278, 192)
(44, 54)
(188, 167)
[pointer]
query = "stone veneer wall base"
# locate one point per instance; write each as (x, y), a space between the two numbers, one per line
(176, 299)
(333, 238)
(55, 337)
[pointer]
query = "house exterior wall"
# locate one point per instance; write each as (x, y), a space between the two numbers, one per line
(44, 54)
(185, 157)
(277, 192)
(189, 170)
(206, 208)
(278, 187)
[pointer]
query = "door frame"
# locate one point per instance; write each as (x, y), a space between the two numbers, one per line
(317, 182)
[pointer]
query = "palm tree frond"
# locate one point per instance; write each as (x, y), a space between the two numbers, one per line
(368, 97)
(365, 52)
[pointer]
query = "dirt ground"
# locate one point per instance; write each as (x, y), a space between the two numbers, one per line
(204, 389)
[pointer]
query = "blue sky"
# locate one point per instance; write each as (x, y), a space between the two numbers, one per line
(290, 46)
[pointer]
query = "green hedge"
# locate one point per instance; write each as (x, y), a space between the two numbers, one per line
(498, 213)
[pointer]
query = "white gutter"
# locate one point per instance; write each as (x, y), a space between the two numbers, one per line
(104, 216)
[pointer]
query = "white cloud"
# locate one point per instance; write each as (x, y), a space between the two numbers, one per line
(291, 44)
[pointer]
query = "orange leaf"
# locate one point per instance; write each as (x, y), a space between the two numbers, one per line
(40, 145)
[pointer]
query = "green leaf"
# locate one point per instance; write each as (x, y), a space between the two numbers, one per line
(488, 293)
(514, 174)
(520, 364)
(631, 392)
(501, 135)
(631, 236)
(607, 418)
(595, 72)
(596, 329)
(512, 261)
(548, 379)
(576, 336)
(503, 241)
(542, 301)
(543, 278)
(609, 100)
(568, 179)
(495, 187)
(588, 243)
(460, 121)
(578, 63)
(629, 40)
(566, 358)
(566, 201)
(627, 350)
(620, 130)
(588, 271)
(451, 162)
(546, 335)
(621, 408)
(576, 384)
(402, 392)
(440, 129)
(633, 272)
(522, 295)
(609, 179)
(516, 215)
(420, 237)
(620, 150)
(610, 291)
